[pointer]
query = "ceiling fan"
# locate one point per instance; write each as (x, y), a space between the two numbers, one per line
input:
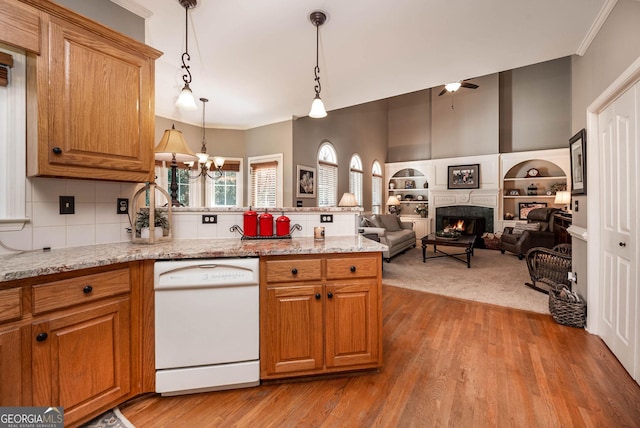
(454, 86)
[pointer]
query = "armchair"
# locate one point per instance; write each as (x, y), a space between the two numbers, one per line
(537, 232)
(549, 266)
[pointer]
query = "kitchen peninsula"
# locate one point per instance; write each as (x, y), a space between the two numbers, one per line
(76, 313)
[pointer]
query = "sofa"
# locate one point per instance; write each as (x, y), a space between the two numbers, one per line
(397, 235)
(537, 232)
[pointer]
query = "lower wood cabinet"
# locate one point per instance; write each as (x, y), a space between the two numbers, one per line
(79, 340)
(320, 314)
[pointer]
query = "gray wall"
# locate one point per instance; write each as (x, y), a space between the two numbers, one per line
(360, 129)
(109, 14)
(615, 48)
(409, 126)
(268, 140)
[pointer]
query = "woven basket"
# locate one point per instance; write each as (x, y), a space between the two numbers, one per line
(492, 243)
(567, 313)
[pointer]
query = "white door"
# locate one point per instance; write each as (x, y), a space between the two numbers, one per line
(618, 283)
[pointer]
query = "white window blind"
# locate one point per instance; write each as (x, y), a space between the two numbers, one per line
(264, 182)
(327, 185)
(355, 178)
(376, 188)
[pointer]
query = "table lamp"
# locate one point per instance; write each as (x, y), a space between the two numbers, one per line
(563, 197)
(348, 200)
(393, 204)
(173, 148)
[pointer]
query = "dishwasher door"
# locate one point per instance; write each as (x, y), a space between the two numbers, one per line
(206, 323)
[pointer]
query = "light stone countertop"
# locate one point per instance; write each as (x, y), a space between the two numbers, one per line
(35, 263)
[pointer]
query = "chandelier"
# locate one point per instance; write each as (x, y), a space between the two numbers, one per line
(204, 160)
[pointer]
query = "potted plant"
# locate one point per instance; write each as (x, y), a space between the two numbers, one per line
(421, 209)
(160, 222)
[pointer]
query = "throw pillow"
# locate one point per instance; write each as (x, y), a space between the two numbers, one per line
(390, 222)
(367, 222)
(521, 227)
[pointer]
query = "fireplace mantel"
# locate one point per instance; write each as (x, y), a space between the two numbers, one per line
(480, 197)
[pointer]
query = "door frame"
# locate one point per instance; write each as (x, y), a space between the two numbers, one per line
(625, 81)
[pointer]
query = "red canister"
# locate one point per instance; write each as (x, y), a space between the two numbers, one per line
(266, 224)
(250, 223)
(282, 225)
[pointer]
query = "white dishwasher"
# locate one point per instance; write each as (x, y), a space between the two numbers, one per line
(206, 325)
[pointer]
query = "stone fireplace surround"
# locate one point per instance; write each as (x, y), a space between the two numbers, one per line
(474, 203)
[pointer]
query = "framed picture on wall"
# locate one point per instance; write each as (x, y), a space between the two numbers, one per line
(578, 154)
(525, 207)
(464, 177)
(306, 176)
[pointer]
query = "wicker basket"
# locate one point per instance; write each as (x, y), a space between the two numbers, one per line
(567, 313)
(491, 243)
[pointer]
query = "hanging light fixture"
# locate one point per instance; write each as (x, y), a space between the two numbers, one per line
(453, 86)
(204, 160)
(317, 107)
(186, 100)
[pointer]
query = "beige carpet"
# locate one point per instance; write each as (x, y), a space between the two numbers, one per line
(493, 278)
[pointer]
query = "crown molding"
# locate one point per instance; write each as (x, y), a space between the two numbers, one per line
(134, 7)
(596, 26)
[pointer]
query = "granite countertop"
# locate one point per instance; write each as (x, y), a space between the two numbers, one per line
(35, 263)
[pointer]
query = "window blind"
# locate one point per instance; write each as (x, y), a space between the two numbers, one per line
(355, 184)
(264, 184)
(327, 184)
(376, 194)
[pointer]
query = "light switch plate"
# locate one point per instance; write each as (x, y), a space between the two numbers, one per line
(67, 205)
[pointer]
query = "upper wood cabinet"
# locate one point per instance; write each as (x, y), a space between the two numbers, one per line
(90, 105)
(20, 25)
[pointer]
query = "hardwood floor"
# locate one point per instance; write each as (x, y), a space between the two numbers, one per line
(447, 362)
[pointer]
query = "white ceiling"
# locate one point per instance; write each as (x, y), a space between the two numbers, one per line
(254, 59)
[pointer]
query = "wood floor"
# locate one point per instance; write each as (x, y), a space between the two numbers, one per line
(448, 363)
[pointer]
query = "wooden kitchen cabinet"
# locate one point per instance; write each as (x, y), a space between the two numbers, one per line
(80, 341)
(90, 101)
(320, 314)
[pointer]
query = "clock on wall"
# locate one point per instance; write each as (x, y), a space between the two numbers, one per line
(533, 172)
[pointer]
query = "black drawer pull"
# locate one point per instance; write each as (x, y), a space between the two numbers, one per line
(329, 294)
(57, 150)
(87, 289)
(352, 269)
(622, 244)
(318, 296)
(294, 271)
(42, 337)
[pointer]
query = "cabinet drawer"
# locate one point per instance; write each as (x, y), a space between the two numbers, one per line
(352, 267)
(10, 304)
(294, 270)
(87, 288)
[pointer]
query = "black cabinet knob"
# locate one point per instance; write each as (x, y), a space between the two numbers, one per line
(329, 294)
(87, 289)
(57, 150)
(318, 296)
(622, 244)
(294, 271)
(42, 337)
(352, 268)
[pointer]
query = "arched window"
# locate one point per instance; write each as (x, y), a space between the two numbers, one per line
(355, 177)
(376, 188)
(327, 175)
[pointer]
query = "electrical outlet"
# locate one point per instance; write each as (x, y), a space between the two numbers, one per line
(123, 206)
(326, 218)
(209, 218)
(576, 206)
(67, 205)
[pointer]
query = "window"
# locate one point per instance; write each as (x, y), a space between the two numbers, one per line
(13, 144)
(376, 188)
(266, 181)
(355, 178)
(327, 176)
(226, 190)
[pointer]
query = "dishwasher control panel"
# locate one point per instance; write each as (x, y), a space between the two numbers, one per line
(209, 273)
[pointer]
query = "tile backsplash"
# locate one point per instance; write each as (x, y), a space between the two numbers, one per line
(96, 220)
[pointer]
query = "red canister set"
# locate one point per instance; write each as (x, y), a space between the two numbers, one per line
(262, 225)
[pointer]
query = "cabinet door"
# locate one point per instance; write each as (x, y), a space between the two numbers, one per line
(11, 355)
(352, 330)
(81, 359)
(100, 107)
(292, 339)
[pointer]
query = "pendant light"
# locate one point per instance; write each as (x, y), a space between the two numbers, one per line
(317, 107)
(185, 100)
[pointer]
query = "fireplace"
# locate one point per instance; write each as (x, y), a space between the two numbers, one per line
(470, 220)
